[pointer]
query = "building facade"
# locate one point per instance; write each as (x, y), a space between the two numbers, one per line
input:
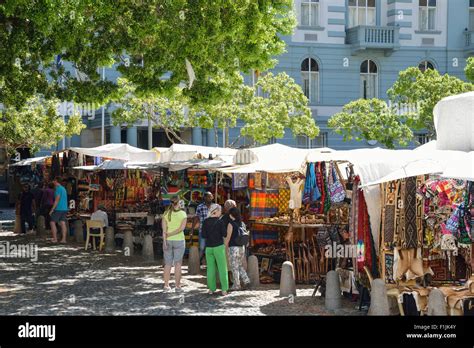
(341, 50)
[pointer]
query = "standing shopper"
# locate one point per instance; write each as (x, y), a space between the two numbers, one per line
(59, 211)
(173, 224)
(27, 206)
(202, 212)
(236, 250)
(47, 201)
(215, 250)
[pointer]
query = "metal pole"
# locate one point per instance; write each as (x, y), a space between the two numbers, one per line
(103, 114)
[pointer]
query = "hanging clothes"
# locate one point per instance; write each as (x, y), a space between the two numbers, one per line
(311, 192)
(363, 234)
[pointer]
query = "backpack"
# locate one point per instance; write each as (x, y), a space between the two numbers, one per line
(243, 235)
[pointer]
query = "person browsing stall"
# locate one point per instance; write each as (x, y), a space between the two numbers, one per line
(202, 212)
(236, 251)
(215, 250)
(59, 211)
(27, 207)
(173, 225)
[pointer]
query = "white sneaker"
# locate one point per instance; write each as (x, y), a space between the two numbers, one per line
(166, 289)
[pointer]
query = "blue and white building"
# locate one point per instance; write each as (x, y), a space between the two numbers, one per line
(341, 50)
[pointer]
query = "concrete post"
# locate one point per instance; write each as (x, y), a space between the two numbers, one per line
(437, 303)
(147, 251)
(115, 135)
(287, 281)
(193, 261)
(109, 240)
(79, 231)
(378, 298)
(40, 226)
(333, 291)
(132, 136)
(253, 272)
(128, 243)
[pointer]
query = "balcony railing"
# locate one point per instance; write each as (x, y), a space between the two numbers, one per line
(373, 37)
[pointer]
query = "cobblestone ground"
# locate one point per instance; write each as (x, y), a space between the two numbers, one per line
(66, 280)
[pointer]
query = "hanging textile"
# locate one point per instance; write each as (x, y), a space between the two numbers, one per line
(276, 181)
(311, 192)
(263, 204)
(263, 234)
(327, 196)
(410, 238)
(388, 213)
(336, 190)
(283, 200)
(363, 234)
(239, 181)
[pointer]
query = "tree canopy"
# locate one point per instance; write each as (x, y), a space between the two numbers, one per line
(144, 40)
(275, 102)
(36, 124)
(412, 99)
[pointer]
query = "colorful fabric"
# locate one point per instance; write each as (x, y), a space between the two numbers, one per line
(336, 190)
(283, 200)
(311, 192)
(388, 221)
(363, 234)
(388, 266)
(410, 233)
(263, 204)
(327, 198)
(239, 181)
(264, 234)
(452, 224)
(276, 181)
(320, 186)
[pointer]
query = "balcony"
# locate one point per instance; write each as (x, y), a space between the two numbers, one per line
(469, 37)
(365, 37)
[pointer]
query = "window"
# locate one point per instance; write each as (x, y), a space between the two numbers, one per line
(310, 13)
(320, 141)
(204, 133)
(424, 65)
(422, 138)
(310, 77)
(471, 15)
(427, 15)
(368, 79)
(361, 12)
(303, 142)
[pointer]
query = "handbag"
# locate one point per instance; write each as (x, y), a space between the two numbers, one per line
(336, 190)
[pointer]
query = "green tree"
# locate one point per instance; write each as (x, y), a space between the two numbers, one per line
(412, 100)
(274, 104)
(371, 119)
(469, 70)
(36, 124)
(143, 39)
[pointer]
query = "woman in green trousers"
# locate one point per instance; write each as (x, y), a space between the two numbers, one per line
(215, 250)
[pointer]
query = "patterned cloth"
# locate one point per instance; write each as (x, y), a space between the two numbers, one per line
(283, 200)
(236, 257)
(311, 192)
(276, 181)
(388, 221)
(202, 211)
(363, 234)
(239, 181)
(389, 260)
(410, 236)
(264, 234)
(263, 204)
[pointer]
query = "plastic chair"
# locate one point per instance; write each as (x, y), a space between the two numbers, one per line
(90, 225)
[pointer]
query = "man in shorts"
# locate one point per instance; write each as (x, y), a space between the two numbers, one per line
(173, 224)
(59, 211)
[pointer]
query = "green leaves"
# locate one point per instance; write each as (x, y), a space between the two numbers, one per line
(469, 70)
(371, 119)
(412, 100)
(156, 36)
(36, 124)
(274, 104)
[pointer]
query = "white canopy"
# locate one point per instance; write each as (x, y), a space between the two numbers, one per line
(123, 152)
(184, 152)
(454, 122)
(29, 161)
(274, 158)
(110, 165)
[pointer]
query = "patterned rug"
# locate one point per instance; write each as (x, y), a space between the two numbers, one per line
(389, 214)
(410, 238)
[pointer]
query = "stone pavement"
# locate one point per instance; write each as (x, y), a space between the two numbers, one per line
(66, 280)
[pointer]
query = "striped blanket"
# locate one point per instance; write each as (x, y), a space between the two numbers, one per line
(263, 204)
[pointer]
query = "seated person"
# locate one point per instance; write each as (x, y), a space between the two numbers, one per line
(100, 215)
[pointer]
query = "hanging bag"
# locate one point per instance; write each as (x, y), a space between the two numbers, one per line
(336, 190)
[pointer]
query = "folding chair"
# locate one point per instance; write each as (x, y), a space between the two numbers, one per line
(94, 225)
